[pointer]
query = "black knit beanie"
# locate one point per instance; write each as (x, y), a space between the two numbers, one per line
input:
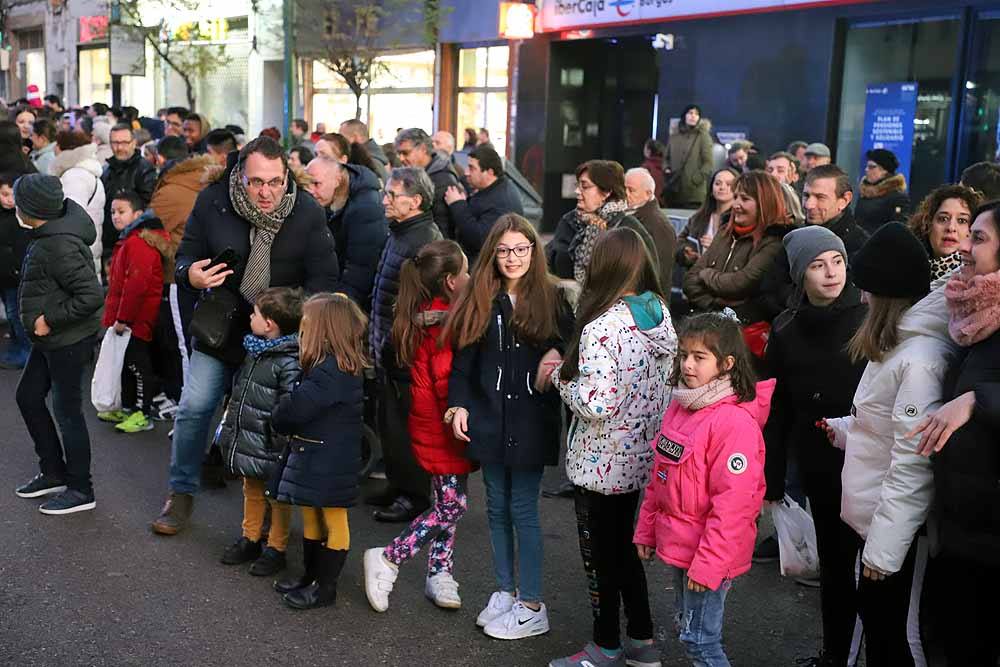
(883, 158)
(39, 196)
(689, 107)
(892, 263)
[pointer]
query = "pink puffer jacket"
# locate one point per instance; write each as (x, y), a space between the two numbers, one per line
(707, 487)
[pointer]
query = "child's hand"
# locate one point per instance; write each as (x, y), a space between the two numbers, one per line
(548, 363)
(831, 435)
(460, 425)
(645, 551)
(120, 328)
(42, 327)
(695, 586)
(873, 574)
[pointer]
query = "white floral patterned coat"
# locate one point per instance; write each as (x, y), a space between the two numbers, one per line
(619, 395)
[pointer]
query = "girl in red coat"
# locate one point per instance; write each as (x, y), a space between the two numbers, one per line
(427, 285)
(135, 286)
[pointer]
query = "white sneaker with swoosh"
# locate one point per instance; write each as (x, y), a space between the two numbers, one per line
(520, 622)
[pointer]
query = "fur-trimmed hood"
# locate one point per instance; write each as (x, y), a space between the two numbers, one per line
(883, 188)
(84, 157)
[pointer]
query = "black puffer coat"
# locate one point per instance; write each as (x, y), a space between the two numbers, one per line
(405, 240)
(322, 416)
(302, 254)
(58, 280)
(249, 445)
(967, 470)
(882, 202)
(509, 422)
(474, 217)
(359, 231)
(13, 245)
(806, 352)
(135, 174)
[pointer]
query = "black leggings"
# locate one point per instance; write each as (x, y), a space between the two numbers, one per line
(613, 568)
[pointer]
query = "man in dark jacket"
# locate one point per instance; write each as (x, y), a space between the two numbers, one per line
(13, 245)
(415, 149)
(354, 213)
(408, 198)
(256, 197)
(60, 304)
(494, 196)
(640, 190)
(357, 133)
(827, 201)
(125, 170)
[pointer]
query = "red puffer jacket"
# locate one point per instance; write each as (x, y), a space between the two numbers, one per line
(434, 446)
(135, 285)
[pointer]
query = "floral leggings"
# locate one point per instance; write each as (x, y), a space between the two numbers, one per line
(437, 523)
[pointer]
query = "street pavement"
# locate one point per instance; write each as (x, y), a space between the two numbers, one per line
(99, 589)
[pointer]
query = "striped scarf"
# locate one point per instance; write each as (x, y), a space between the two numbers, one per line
(266, 225)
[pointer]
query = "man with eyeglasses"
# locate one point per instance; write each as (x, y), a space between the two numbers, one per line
(279, 237)
(415, 149)
(408, 200)
(173, 124)
(126, 169)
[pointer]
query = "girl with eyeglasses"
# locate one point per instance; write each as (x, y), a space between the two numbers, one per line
(509, 329)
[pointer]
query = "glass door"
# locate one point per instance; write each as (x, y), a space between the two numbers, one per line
(919, 50)
(980, 131)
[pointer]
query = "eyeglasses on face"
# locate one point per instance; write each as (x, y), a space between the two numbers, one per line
(274, 184)
(503, 252)
(393, 196)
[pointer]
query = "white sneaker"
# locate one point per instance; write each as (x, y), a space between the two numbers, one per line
(442, 590)
(500, 603)
(520, 622)
(380, 575)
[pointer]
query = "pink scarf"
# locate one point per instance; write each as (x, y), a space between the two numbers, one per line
(974, 305)
(703, 396)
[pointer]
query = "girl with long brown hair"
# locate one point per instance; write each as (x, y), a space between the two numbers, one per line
(428, 284)
(322, 417)
(888, 486)
(730, 272)
(509, 328)
(614, 380)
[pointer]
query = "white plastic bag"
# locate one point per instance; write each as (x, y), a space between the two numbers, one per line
(106, 387)
(796, 539)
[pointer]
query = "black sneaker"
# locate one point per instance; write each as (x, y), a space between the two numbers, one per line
(271, 562)
(241, 551)
(40, 485)
(766, 551)
(69, 502)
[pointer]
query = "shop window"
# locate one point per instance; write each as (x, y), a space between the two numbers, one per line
(401, 95)
(980, 128)
(920, 51)
(482, 92)
(95, 76)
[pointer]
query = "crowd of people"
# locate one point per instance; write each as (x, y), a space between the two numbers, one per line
(792, 343)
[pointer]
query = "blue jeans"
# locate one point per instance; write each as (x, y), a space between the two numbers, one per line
(207, 382)
(512, 505)
(20, 346)
(699, 618)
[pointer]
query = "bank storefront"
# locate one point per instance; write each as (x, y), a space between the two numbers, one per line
(616, 72)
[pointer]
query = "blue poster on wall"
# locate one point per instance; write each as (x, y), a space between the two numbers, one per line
(889, 112)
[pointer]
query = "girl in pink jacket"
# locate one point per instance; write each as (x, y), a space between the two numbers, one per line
(707, 487)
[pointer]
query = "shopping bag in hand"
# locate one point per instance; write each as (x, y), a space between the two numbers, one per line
(106, 387)
(796, 539)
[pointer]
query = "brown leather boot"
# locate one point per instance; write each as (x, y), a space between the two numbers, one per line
(175, 514)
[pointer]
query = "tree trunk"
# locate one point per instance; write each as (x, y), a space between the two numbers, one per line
(189, 90)
(357, 106)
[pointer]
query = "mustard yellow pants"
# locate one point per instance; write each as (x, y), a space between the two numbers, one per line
(327, 524)
(254, 507)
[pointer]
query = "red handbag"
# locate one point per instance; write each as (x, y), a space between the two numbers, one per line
(755, 335)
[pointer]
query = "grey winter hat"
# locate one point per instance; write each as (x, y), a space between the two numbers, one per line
(39, 196)
(818, 149)
(806, 244)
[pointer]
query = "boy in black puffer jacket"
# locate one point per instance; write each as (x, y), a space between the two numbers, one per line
(250, 447)
(13, 244)
(60, 302)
